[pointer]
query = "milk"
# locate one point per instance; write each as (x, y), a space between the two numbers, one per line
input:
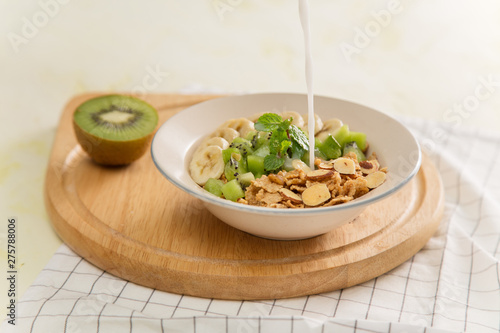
(304, 20)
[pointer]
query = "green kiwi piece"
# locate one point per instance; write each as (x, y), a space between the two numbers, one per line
(214, 186)
(330, 148)
(232, 190)
(115, 129)
(256, 165)
(233, 168)
(360, 139)
(229, 153)
(244, 145)
(353, 147)
(245, 179)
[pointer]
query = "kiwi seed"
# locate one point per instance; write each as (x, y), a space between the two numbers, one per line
(115, 129)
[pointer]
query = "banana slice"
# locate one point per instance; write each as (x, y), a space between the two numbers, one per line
(330, 127)
(242, 125)
(206, 163)
(318, 124)
(226, 133)
(256, 116)
(297, 118)
(214, 141)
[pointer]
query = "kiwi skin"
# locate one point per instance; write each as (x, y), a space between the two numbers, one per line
(112, 152)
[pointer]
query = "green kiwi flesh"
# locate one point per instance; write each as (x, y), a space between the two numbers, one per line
(115, 129)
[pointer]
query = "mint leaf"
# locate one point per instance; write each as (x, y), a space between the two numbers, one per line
(299, 137)
(275, 141)
(297, 151)
(284, 145)
(268, 122)
(273, 162)
(285, 138)
(285, 124)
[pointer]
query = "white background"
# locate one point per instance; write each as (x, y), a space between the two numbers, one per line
(434, 59)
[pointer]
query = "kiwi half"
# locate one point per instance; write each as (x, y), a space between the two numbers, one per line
(115, 129)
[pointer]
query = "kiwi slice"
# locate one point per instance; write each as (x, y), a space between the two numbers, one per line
(115, 129)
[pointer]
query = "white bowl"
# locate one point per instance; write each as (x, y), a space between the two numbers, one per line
(179, 136)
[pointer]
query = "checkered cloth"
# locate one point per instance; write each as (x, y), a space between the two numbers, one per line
(452, 284)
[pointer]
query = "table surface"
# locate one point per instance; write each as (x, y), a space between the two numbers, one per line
(436, 60)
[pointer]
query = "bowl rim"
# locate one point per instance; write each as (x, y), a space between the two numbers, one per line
(207, 197)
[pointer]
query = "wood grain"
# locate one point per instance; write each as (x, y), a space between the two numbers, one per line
(133, 223)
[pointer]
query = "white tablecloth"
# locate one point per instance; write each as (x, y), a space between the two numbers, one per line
(452, 284)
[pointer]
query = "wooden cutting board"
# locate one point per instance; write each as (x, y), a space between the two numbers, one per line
(133, 223)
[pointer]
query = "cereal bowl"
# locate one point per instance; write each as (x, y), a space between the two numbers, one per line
(175, 141)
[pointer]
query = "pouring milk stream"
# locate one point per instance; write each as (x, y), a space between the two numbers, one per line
(304, 20)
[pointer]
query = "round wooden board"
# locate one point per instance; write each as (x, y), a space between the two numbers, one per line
(133, 223)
